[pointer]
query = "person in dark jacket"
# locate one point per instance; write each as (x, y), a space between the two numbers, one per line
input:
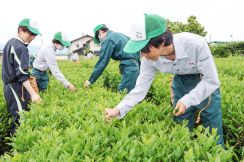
(15, 75)
(112, 44)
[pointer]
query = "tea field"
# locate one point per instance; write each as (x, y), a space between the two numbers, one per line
(70, 126)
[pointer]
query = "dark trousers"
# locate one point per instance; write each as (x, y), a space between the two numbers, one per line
(17, 98)
(211, 116)
(129, 70)
(41, 79)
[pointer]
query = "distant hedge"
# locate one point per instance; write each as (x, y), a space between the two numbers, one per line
(225, 49)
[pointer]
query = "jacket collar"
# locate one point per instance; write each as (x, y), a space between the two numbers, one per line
(18, 38)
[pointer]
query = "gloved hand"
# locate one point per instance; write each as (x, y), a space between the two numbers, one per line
(33, 84)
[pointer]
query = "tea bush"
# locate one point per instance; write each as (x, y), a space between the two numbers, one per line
(70, 126)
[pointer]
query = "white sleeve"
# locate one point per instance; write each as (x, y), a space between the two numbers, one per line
(143, 83)
(209, 80)
(53, 66)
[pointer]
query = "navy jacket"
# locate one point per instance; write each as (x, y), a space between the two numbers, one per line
(15, 63)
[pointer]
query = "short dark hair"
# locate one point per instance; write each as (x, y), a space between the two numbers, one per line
(166, 37)
(57, 41)
(25, 29)
(105, 29)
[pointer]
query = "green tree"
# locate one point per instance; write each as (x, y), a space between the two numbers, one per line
(176, 27)
(192, 26)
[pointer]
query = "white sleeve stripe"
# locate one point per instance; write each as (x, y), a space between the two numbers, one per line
(17, 100)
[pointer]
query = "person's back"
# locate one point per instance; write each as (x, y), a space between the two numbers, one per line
(13, 47)
(112, 44)
(190, 38)
(41, 58)
(118, 41)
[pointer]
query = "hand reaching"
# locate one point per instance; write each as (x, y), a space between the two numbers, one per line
(180, 109)
(72, 88)
(87, 84)
(111, 113)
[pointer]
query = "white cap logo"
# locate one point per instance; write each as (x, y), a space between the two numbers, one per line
(139, 35)
(138, 30)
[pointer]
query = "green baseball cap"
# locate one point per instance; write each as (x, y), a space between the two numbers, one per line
(31, 25)
(62, 38)
(98, 27)
(146, 27)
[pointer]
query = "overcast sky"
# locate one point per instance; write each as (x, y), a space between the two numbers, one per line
(222, 19)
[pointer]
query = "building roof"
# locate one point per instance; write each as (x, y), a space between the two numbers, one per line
(81, 37)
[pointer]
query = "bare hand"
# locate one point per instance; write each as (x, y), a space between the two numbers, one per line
(180, 109)
(87, 84)
(71, 87)
(35, 98)
(111, 113)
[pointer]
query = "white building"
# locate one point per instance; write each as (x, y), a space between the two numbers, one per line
(81, 44)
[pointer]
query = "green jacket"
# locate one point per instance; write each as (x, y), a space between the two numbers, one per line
(112, 47)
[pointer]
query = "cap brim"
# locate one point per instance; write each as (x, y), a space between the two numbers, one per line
(34, 30)
(97, 41)
(135, 46)
(65, 43)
